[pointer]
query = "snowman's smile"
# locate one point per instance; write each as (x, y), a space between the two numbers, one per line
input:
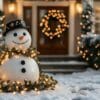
(21, 43)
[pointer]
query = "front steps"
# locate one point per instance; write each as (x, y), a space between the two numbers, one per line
(62, 63)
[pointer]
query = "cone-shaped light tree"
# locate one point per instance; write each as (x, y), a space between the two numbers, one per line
(89, 42)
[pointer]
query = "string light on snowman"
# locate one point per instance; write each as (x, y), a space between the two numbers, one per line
(18, 62)
(61, 27)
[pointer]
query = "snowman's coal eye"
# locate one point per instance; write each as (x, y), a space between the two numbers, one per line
(15, 34)
(24, 33)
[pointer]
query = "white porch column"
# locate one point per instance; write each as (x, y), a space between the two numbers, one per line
(20, 8)
(71, 27)
(1, 4)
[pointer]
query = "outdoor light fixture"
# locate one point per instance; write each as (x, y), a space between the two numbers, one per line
(79, 8)
(12, 6)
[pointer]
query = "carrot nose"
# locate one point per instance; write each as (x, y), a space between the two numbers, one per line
(21, 37)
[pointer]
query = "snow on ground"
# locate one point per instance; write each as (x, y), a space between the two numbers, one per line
(76, 86)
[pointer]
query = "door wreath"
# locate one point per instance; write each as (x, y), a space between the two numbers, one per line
(61, 26)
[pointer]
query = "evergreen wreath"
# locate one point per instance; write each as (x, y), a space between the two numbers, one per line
(57, 15)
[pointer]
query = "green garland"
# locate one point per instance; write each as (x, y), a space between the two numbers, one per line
(45, 82)
(90, 51)
(86, 21)
(6, 53)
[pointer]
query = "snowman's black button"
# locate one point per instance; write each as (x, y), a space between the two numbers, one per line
(23, 70)
(22, 62)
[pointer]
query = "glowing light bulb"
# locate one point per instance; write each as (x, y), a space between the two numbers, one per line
(96, 65)
(22, 92)
(14, 93)
(79, 8)
(12, 7)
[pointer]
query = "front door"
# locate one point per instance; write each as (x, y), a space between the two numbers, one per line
(55, 46)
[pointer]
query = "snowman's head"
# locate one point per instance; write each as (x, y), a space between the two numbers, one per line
(18, 38)
(16, 35)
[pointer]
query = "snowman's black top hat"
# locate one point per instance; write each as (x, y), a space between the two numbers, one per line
(16, 24)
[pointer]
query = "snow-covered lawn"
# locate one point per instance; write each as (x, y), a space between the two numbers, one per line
(76, 86)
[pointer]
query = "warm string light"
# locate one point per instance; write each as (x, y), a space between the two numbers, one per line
(6, 54)
(86, 22)
(2, 18)
(96, 65)
(45, 82)
(2, 25)
(61, 27)
(88, 43)
(91, 52)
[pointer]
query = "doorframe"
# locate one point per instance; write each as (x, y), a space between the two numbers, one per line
(35, 4)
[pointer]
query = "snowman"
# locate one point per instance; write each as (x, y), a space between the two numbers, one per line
(18, 68)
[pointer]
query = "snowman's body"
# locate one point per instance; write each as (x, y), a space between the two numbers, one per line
(20, 68)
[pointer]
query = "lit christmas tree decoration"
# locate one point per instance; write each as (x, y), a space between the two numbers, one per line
(86, 22)
(89, 43)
